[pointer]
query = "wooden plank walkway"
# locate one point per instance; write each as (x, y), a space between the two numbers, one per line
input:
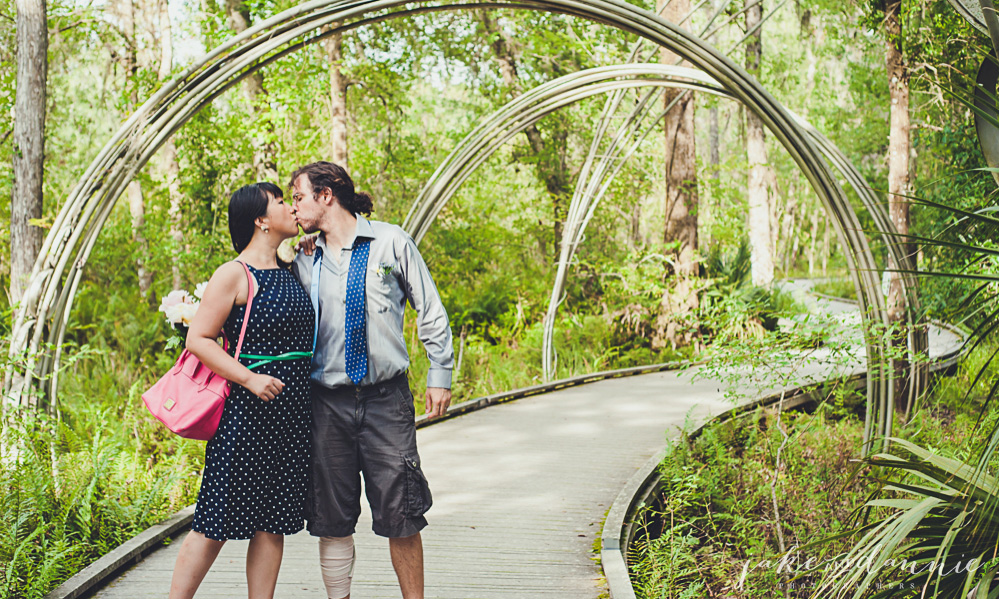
(520, 493)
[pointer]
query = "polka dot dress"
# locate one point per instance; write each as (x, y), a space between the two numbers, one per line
(256, 464)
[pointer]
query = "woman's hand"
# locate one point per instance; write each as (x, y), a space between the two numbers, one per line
(263, 386)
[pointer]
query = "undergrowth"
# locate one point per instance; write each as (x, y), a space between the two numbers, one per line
(712, 531)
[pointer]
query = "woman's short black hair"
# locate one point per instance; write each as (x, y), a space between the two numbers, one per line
(247, 204)
(326, 175)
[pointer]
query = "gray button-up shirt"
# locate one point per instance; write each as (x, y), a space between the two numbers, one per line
(396, 274)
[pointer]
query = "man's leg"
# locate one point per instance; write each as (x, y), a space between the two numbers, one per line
(263, 561)
(396, 488)
(336, 559)
(407, 559)
(334, 501)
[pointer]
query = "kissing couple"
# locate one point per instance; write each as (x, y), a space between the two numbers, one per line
(320, 393)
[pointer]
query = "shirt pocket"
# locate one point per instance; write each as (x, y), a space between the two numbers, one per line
(384, 290)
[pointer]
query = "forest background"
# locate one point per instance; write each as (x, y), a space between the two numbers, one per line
(391, 101)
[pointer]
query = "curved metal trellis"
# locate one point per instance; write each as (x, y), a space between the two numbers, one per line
(44, 312)
(524, 111)
(603, 163)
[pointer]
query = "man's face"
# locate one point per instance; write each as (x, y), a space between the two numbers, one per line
(305, 205)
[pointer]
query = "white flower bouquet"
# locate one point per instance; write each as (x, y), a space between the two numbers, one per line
(179, 308)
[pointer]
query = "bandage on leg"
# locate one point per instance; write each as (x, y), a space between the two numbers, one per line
(336, 559)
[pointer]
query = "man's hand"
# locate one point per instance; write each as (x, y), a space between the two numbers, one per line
(307, 244)
(438, 400)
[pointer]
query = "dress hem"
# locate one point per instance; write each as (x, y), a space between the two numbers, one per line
(245, 538)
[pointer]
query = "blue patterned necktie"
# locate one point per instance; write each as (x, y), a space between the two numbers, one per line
(356, 342)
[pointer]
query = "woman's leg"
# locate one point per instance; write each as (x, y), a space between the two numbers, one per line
(197, 553)
(263, 561)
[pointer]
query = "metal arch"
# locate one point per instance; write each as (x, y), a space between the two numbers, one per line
(69, 243)
(594, 180)
(588, 194)
(525, 110)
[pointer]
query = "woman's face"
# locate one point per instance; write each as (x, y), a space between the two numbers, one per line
(279, 218)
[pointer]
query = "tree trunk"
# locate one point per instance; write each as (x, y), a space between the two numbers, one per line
(680, 227)
(124, 11)
(264, 154)
(551, 159)
(168, 153)
(714, 139)
(812, 235)
(714, 143)
(898, 183)
(636, 240)
(681, 159)
(166, 40)
(826, 247)
(171, 175)
(760, 233)
(32, 40)
(338, 99)
(773, 192)
(136, 201)
(806, 34)
(137, 208)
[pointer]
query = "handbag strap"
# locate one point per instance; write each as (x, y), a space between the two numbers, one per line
(246, 313)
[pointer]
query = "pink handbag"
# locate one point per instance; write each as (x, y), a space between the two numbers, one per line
(190, 397)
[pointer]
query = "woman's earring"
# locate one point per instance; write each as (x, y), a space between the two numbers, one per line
(265, 229)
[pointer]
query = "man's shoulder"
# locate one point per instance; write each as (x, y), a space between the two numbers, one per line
(393, 234)
(301, 259)
(301, 264)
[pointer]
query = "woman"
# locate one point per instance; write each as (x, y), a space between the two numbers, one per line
(256, 464)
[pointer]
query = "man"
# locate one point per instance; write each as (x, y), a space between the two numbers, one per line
(363, 413)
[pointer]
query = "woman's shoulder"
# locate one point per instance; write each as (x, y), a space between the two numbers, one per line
(231, 275)
(229, 272)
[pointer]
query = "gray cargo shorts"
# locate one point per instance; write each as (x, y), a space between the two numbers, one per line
(369, 430)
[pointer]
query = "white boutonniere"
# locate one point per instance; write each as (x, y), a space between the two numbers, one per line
(383, 270)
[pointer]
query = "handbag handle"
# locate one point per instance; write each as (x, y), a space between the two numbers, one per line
(246, 313)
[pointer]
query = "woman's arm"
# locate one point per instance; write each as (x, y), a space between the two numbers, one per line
(224, 289)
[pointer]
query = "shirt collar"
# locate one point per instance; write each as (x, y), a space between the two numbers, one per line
(364, 230)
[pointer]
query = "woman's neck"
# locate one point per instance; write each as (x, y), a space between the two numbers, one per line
(261, 253)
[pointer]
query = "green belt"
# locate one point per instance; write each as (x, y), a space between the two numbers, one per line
(292, 355)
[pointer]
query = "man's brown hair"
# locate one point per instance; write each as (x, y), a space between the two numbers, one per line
(326, 175)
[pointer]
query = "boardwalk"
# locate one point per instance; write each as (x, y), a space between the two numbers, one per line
(520, 493)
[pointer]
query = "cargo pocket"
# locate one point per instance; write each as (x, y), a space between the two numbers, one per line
(418, 499)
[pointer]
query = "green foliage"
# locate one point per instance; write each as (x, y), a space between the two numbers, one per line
(76, 487)
(837, 287)
(74, 490)
(940, 524)
(731, 307)
(712, 527)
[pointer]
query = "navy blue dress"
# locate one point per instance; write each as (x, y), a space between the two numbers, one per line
(256, 465)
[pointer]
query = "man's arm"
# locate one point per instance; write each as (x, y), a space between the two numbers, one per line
(432, 326)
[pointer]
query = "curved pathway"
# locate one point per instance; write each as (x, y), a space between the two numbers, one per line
(520, 493)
